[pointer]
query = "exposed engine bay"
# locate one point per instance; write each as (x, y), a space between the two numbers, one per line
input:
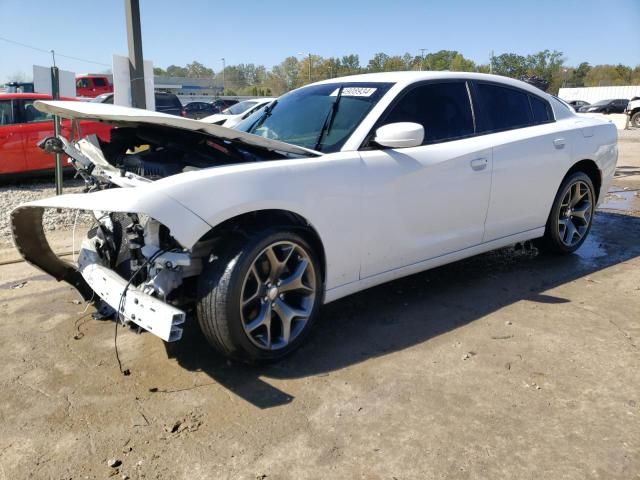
(150, 153)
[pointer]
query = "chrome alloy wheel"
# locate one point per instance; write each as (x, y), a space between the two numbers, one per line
(278, 295)
(575, 213)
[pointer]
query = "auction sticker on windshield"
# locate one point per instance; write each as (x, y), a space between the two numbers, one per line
(354, 92)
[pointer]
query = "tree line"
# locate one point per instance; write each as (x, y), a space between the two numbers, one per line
(293, 72)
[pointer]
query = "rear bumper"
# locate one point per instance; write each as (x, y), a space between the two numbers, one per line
(148, 312)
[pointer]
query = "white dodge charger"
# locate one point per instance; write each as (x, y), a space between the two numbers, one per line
(335, 187)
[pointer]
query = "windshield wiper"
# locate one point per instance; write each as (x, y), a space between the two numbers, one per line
(328, 122)
(265, 114)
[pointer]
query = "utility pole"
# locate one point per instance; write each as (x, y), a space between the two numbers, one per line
(422, 50)
(223, 69)
(309, 67)
(136, 62)
(55, 94)
(491, 63)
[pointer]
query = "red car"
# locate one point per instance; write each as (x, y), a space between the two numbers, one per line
(92, 85)
(22, 127)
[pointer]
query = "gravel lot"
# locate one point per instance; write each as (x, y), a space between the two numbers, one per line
(13, 195)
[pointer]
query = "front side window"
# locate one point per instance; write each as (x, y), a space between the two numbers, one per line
(320, 117)
(83, 83)
(443, 109)
(503, 108)
(6, 112)
(31, 115)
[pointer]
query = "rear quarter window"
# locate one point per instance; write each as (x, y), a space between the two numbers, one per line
(99, 82)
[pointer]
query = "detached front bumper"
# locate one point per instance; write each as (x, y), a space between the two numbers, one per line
(144, 310)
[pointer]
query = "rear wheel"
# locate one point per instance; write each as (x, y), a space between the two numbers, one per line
(571, 216)
(635, 120)
(259, 300)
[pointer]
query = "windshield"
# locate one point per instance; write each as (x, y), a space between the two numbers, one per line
(300, 117)
(601, 102)
(239, 108)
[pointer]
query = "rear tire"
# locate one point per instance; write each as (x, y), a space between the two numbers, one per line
(258, 300)
(635, 120)
(571, 215)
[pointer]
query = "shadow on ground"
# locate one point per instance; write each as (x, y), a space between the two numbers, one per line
(406, 312)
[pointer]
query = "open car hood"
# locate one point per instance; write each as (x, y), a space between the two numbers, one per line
(119, 115)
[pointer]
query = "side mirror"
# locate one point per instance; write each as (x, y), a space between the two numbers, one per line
(400, 135)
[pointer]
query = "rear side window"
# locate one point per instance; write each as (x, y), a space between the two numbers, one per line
(540, 109)
(99, 82)
(443, 109)
(503, 108)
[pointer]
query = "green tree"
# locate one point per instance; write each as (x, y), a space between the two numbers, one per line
(510, 65)
(176, 71)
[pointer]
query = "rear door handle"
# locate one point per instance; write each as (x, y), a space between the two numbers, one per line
(559, 142)
(478, 164)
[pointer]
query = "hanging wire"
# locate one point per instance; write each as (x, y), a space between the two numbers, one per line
(51, 52)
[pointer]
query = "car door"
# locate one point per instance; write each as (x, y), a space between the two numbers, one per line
(426, 201)
(11, 142)
(530, 157)
(36, 126)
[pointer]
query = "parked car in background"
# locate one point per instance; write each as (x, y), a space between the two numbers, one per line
(238, 112)
(577, 104)
(198, 110)
(92, 85)
(22, 127)
(165, 102)
(341, 185)
(221, 104)
(633, 110)
(606, 106)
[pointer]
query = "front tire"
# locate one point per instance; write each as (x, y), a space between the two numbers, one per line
(571, 215)
(635, 120)
(259, 299)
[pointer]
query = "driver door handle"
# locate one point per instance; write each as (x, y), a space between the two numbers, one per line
(478, 164)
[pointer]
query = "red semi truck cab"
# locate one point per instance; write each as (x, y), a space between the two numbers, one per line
(92, 85)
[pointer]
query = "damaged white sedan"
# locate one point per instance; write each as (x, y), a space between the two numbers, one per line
(334, 188)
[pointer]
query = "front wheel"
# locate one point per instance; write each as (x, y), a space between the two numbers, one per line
(258, 300)
(635, 120)
(571, 216)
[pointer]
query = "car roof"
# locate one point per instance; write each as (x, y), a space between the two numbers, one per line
(409, 77)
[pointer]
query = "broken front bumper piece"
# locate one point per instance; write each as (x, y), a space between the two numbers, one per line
(144, 310)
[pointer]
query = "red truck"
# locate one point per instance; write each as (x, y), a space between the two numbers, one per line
(92, 85)
(22, 127)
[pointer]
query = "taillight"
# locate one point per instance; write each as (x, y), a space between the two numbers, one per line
(183, 112)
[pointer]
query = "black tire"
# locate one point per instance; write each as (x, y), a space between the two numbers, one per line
(635, 120)
(220, 291)
(551, 242)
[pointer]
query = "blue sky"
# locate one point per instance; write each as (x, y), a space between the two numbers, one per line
(265, 32)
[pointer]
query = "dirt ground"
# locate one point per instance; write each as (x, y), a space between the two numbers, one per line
(507, 365)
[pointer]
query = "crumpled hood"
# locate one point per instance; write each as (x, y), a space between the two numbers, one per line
(119, 115)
